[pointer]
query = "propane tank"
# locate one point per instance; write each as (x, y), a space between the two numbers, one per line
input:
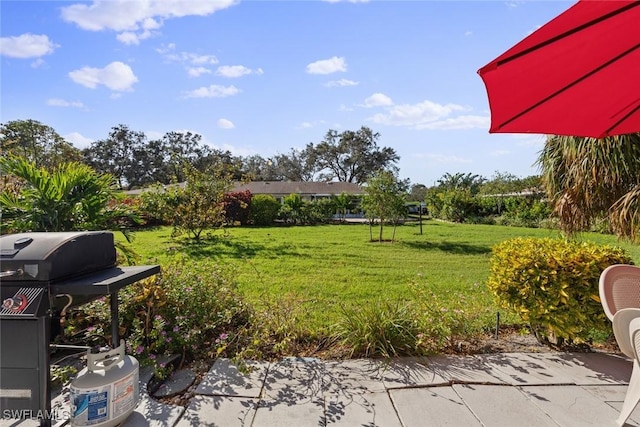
(106, 392)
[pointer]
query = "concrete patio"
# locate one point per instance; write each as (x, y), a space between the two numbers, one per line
(501, 389)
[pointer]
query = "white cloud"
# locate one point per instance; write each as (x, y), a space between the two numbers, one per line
(344, 108)
(225, 124)
(213, 91)
(309, 125)
(327, 66)
(459, 122)
(234, 71)
(129, 37)
(377, 100)
(136, 20)
(197, 71)
(27, 46)
(116, 76)
(195, 63)
(57, 102)
(346, 1)
(468, 33)
(430, 115)
(341, 83)
(190, 58)
(37, 63)
(78, 140)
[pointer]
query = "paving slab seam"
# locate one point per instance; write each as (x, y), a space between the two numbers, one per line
(529, 397)
(464, 402)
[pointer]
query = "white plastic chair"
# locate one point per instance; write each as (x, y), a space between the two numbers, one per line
(619, 289)
(620, 297)
(632, 397)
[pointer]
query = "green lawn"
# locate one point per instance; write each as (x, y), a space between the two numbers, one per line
(322, 268)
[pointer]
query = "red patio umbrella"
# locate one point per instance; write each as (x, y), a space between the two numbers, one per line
(577, 75)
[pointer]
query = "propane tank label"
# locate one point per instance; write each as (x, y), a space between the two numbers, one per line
(92, 407)
(125, 394)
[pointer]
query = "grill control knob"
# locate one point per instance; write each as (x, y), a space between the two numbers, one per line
(16, 303)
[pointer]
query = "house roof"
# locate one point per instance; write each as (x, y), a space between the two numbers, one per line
(298, 187)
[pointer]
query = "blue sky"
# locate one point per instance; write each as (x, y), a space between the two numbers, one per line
(262, 77)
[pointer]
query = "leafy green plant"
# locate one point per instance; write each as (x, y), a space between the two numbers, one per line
(192, 310)
(264, 209)
(202, 201)
(158, 204)
(553, 284)
(70, 197)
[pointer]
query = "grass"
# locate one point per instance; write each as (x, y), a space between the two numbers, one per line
(323, 270)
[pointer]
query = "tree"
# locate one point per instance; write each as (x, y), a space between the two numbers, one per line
(352, 156)
(384, 199)
(167, 156)
(461, 181)
(37, 143)
(71, 197)
(122, 155)
(589, 178)
(298, 165)
(418, 193)
(202, 201)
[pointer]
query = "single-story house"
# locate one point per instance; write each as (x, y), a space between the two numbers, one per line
(281, 189)
(306, 190)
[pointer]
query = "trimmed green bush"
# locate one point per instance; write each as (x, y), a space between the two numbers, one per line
(553, 285)
(264, 209)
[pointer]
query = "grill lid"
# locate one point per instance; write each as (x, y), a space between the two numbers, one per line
(54, 256)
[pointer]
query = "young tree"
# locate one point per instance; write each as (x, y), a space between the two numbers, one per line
(202, 201)
(384, 200)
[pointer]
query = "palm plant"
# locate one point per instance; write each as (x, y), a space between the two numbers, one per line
(71, 197)
(588, 178)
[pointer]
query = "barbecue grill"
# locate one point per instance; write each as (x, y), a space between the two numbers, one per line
(41, 276)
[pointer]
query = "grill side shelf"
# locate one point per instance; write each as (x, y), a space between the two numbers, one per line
(104, 282)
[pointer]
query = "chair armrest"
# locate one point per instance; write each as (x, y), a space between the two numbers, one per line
(621, 321)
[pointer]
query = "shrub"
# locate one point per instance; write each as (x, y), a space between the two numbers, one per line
(553, 285)
(320, 211)
(526, 211)
(191, 310)
(264, 209)
(237, 207)
(158, 206)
